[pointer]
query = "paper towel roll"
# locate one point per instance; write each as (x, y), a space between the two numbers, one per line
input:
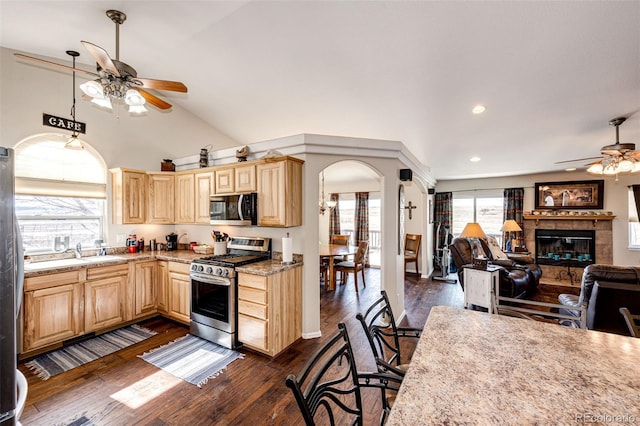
(287, 250)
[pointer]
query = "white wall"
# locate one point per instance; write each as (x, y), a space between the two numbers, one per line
(615, 200)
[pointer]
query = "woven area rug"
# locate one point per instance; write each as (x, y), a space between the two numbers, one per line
(61, 360)
(192, 359)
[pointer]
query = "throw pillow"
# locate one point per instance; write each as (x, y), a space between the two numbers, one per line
(496, 251)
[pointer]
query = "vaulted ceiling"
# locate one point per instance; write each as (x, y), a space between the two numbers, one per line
(551, 74)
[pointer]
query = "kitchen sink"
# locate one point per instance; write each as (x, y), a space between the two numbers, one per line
(63, 263)
(108, 258)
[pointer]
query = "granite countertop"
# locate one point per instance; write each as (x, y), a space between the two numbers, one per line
(267, 267)
(477, 368)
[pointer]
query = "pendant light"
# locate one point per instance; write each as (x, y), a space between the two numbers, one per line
(74, 142)
(325, 204)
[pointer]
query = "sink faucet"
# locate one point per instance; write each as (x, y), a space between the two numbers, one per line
(78, 251)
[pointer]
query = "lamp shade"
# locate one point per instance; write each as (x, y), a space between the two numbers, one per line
(473, 230)
(510, 225)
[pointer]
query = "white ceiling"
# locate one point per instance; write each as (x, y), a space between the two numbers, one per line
(552, 74)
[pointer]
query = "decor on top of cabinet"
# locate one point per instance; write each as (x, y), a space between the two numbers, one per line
(204, 156)
(167, 166)
(242, 153)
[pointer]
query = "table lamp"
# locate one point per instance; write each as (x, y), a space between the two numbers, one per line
(510, 226)
(473, 230)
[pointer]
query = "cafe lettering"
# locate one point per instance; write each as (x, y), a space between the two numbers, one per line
(63, 123)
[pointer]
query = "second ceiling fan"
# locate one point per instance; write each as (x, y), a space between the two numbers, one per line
(115, 79)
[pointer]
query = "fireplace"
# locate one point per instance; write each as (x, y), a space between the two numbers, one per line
(565, 247)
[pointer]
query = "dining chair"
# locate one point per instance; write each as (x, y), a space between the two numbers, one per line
(342, 240)
(633, 322)
(331, 381)
(384, 335)
(355, 266)
(412, 250)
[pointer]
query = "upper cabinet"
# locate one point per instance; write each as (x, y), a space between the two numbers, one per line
(128, 191)
(245, 178)
(161, 197)
(185, 197)
(280, 192)
(225, 181)
(204, 187)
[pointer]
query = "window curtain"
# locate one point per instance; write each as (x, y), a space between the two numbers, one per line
(362, 219)
(442, 216)
(334, 222)
(513, 209)
(636, 196)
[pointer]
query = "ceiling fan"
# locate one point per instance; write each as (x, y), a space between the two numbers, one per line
(616, 158)
(115, 79)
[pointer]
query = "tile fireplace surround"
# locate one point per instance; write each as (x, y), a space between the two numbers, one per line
(561, 275)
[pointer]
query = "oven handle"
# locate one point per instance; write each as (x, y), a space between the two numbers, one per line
(211, 280)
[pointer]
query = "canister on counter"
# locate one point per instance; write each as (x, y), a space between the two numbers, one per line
(152, 244)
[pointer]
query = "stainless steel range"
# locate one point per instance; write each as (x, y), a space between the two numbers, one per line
(214, 305)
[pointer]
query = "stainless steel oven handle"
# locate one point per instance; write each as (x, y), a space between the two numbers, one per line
(207, 279)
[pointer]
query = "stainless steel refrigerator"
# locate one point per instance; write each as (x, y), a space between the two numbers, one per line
(11, 281)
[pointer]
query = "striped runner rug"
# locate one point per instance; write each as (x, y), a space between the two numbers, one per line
(61, 360)
(192, 359)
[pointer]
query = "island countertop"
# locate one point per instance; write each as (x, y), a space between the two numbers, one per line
(477, 368)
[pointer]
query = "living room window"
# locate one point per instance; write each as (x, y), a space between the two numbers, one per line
(486, 209)
(60, 194)
(634, 224)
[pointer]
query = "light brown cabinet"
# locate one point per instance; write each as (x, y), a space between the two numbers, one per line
(179, 292)
(144, 288)
(161, 197)
(162, 285)
(204, 187)
(128, 196)
(280, 192)
(104, 296)
(185, 197)
(269, 310)
(245, 178)
(225, 179)
(52, 309)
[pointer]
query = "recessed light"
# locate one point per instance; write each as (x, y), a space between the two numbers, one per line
(474, 159)
(570, 169)
(479, 109)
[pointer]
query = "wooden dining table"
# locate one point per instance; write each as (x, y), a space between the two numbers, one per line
(330, 251)
(473, 367)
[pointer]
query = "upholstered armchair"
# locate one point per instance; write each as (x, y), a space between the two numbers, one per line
(494, 253)
(515, 281)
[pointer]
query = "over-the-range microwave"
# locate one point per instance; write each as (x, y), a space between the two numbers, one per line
(234, 209)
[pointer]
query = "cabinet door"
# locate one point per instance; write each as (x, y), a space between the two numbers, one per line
(51, 315)
(225, 181)
(128, 196)
(253, 332)
(245, 178)
(204, 187)
(271, 194)
(180, 297)
(185, 198)
(145, 294)
(104, 302)
(161, 198)
(162, 284)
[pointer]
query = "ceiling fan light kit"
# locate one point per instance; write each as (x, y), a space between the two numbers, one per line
(619, 157)
(116, 80)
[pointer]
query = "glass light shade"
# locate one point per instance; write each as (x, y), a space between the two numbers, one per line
(625, 165)
(137, 109)
(610, 169)
(511, 225)
(92, 88)
(473, 230)
(595, 168)
(636, 167)
(74, 143)
(133, 98)
(332, 203)
(102, 102)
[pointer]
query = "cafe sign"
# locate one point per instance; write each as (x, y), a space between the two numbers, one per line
(63, 123)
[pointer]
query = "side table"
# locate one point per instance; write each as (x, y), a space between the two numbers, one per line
(479, 285)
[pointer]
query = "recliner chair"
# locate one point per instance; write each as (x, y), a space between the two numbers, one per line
(515, 281)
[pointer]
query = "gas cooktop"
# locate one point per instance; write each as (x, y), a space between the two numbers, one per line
(231, 260)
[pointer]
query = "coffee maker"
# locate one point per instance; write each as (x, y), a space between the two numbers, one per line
(172, 241)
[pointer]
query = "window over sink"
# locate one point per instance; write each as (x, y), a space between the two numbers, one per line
(60, 194)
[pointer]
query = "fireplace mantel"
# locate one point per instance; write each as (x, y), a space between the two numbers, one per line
(593, 218)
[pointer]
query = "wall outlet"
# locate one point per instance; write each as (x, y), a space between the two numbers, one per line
(121, 238)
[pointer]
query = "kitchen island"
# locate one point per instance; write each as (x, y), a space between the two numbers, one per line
(477, 368)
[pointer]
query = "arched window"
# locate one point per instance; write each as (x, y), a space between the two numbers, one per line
(60, 194)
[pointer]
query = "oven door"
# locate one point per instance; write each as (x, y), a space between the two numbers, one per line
(213, 302)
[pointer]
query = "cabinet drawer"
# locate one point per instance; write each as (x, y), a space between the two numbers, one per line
(253, 332)
(53, 280)
(180, 267)
(252, 295)
(252, 309)
(250, 280)
(107, 271)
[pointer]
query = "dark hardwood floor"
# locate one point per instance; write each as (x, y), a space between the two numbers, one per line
(122, 389)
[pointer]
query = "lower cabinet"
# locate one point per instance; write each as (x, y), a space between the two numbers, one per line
(162, 285)
(104, 296)
(52, 309)
(179, 292)
(270, 310)
(144, 298)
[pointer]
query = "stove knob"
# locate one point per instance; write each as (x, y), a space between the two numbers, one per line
(200, 268)
(194, 267)
(225, 272)
(209, 270)
(219, 271)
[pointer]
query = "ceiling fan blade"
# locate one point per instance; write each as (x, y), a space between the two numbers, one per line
(102, 57)
(42, 61)
(577, 159)
(149, 83)
(154, 100)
